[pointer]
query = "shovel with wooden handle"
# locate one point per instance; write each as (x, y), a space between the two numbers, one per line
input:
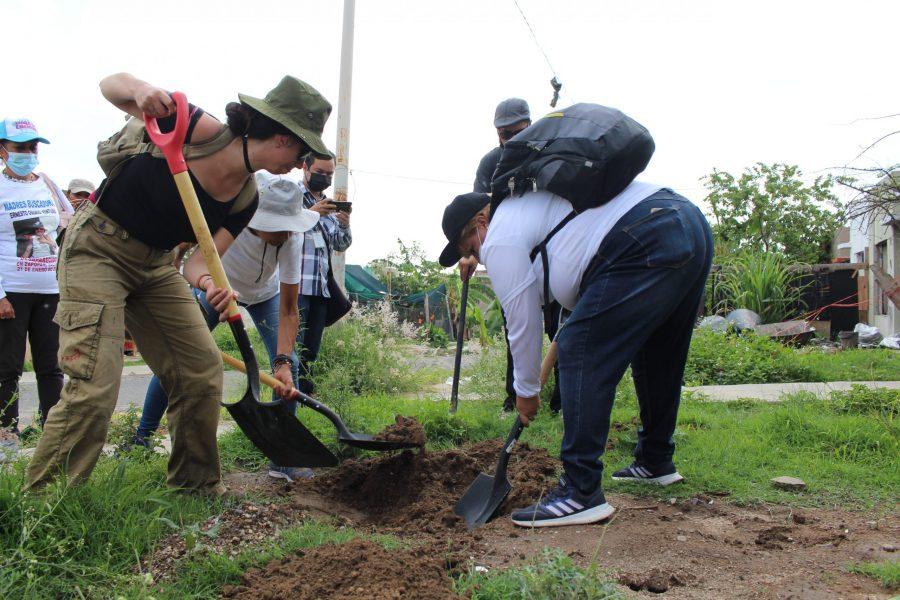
(271, 426)
(487, 492)
(345, 436)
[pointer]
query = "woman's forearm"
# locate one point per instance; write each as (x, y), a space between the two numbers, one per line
(288, 318)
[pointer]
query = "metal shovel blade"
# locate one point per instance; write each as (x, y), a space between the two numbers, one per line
(345, 436)
(487, 493)
(278, 434)
(272, 426)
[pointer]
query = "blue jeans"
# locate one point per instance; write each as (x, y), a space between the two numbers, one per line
(309, 340)
(638, 305)
(265, 317)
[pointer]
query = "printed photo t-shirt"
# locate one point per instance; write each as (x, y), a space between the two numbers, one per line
(28, 228)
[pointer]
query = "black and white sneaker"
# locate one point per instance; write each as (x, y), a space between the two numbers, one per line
(564, 505)
(664, 474)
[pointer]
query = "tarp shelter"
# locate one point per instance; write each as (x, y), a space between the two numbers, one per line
(362, 286)
(428, 306)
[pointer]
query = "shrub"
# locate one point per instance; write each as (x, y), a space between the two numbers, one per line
(760, 281)
(724, 359)
(434, 336)
(363, 355)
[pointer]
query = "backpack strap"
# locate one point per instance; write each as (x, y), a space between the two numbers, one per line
(545, 262)
(245, 197)
(56, 194)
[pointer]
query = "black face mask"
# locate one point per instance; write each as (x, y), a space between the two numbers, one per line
(318, 182)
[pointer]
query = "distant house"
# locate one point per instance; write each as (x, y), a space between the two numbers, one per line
(875, 243)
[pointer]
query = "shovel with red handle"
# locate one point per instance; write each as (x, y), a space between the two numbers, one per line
(271, 426)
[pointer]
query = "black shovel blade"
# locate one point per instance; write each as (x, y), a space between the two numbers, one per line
(482, 500)
(278, 434)
(368, 442)
(487, 493)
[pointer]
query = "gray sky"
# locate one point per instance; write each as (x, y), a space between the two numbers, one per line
(719, 84)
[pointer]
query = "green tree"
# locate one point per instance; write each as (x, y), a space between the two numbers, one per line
(408, 270)
(770, 208)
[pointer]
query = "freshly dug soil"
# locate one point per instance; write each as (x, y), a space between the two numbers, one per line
(415, 492)
(405, 429)
(355, 570)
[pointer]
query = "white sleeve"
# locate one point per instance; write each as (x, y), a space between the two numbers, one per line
(517, 288)
(289, 260)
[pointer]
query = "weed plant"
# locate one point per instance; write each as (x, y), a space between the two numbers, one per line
(550, 575)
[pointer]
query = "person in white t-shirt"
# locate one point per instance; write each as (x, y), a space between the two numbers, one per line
(632, 273)
(263, 267)
(32, 209)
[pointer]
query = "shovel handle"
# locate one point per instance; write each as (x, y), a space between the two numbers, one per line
(549, 362)
(172, 142)
(171, 145)
(460, 331)
(240, 366)
(514, 434)
(298, 395)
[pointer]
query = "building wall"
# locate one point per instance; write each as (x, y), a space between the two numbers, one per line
(865, 236)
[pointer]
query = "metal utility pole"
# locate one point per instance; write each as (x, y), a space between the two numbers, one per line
(342, 160)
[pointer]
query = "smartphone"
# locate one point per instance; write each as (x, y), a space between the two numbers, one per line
(346, 207)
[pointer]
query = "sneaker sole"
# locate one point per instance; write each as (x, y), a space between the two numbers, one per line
(280, 475)
(662, 480)
(585, 517)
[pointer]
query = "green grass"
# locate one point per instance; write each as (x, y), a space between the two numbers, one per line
(847, 456)
(726, 359)
(550, 575)
(860, 364)
(887, 573)
(82, 542)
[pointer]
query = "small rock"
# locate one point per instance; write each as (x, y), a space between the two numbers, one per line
(672, 501)
(889, 547)
(872, 524)
(681, 538)
(788, 483)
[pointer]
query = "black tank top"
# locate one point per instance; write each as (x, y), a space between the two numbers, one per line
(144, 200)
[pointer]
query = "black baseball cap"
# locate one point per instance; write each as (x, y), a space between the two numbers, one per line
(456, 216)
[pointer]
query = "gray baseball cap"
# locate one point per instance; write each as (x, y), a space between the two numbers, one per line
(511, 110)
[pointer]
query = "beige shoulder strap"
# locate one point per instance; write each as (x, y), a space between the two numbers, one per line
(55, 193)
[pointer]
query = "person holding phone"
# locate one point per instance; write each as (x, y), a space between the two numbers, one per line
(331, 233)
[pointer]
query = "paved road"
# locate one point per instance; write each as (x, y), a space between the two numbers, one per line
(772, 392)
(132, 390)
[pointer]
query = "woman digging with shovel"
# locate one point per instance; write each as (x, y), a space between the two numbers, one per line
(263, 267)
(116, 269)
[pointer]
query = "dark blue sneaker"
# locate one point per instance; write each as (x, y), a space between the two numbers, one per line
(291, 474)
(564, 505)
(663, 474)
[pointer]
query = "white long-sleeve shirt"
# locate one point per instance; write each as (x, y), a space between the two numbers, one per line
(518, 225)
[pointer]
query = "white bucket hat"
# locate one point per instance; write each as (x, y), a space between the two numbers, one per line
(281, 206)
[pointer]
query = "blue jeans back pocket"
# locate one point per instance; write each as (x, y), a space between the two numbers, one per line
(665, 237)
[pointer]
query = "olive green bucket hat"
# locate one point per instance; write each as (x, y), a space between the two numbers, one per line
(299, 107)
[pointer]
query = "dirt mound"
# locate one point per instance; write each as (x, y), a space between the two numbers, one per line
(416, 491)
(405, 429)
(355, 570)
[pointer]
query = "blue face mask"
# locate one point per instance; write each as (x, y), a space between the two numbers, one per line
(21, 163)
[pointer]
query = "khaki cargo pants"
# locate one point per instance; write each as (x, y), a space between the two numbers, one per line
(108, 280)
